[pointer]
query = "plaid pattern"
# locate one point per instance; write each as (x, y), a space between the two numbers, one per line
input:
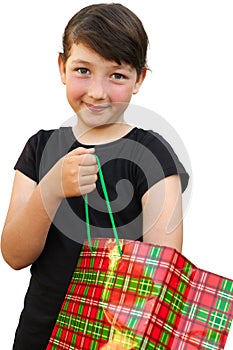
(151, 297)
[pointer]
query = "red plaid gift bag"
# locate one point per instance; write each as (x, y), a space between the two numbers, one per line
(133, 295)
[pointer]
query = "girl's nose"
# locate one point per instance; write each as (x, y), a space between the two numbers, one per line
(97, 89)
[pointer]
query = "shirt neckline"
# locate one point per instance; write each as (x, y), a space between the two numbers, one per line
(100, 145)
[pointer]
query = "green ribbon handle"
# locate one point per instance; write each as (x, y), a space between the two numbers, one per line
(105, 192)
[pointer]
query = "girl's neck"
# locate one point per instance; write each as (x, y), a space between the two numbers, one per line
(101, 134)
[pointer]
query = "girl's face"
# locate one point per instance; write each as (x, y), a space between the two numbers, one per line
(98, 90)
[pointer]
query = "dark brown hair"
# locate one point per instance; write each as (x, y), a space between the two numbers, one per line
(112, 30)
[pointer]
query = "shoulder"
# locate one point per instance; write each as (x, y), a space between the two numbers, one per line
(42, 136)
(155, 143)
(53, 141)
(148, 137)
(156, 157)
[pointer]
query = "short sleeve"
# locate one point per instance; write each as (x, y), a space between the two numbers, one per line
(157, 160)
(29, 161)
(26, 162)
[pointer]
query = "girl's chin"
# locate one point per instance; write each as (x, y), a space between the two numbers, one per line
(97, 121)
(89, 125)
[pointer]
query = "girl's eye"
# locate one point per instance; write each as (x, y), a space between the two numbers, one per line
(118, 76)
(83, 71)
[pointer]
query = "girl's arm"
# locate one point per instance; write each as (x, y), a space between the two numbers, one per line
(162, 213)
(32, 207)
(27, 223)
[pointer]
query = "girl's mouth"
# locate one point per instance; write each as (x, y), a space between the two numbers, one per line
(96, 108)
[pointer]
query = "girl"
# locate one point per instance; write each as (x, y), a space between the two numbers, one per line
(102, 65)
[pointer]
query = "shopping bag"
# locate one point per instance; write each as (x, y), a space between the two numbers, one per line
(134, 295)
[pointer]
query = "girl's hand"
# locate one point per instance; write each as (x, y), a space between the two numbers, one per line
(73, 175)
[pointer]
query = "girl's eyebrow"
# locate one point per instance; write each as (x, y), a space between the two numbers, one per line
(116, 66)
(81, 62)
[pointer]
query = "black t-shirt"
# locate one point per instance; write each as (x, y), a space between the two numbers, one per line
(131, 165)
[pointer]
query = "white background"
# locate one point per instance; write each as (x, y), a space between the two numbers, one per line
(190, 86)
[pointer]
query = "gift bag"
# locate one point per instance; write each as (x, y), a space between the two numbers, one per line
(133, 295)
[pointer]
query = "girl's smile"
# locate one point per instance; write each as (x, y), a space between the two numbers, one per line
(98, 108)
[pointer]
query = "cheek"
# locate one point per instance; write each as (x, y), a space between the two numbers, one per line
(74, 89)
(121, 93)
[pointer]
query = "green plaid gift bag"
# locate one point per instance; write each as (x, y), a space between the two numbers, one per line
(133, 295)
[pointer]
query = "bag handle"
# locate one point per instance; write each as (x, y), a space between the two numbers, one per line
(105, 192)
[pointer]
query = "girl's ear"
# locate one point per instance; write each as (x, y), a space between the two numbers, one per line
(139, 81)
(62, 69)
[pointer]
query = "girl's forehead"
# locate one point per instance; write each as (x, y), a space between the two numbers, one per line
(82, 49)
(83, 54)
